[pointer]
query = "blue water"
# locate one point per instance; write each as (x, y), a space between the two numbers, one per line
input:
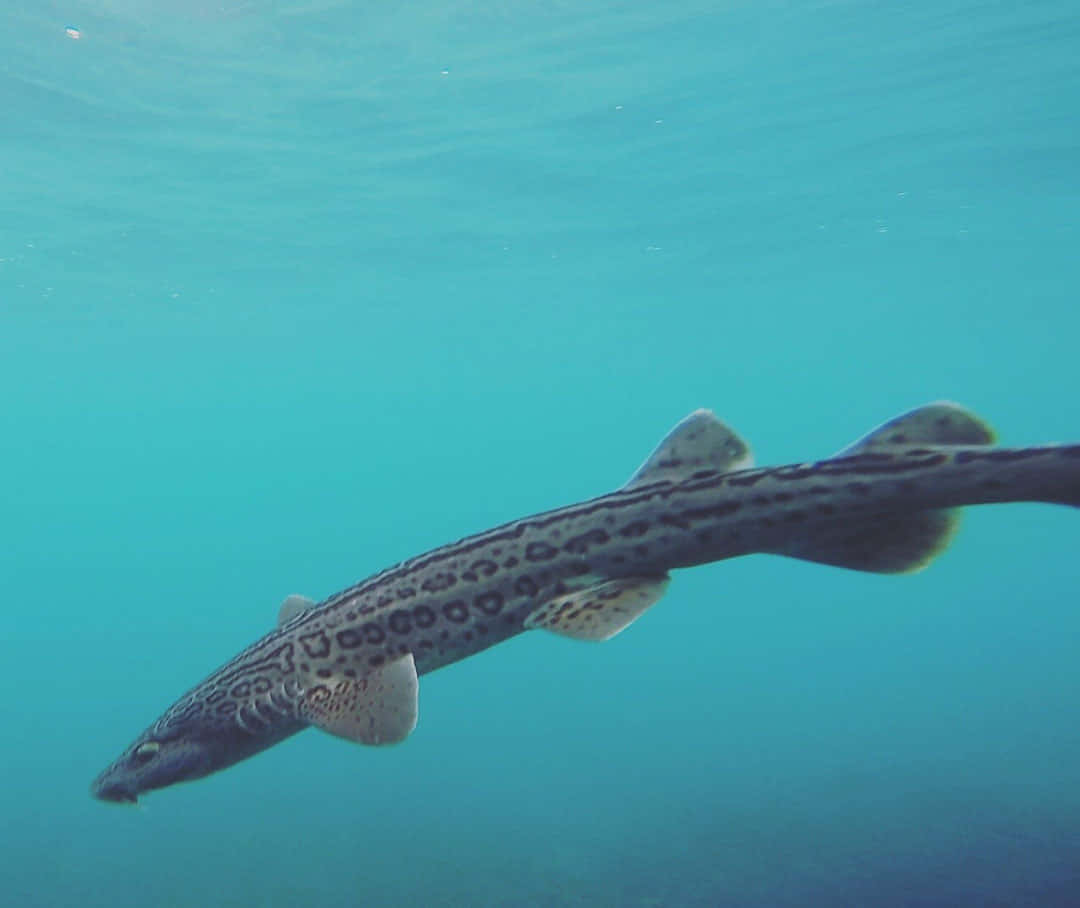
(290, 291)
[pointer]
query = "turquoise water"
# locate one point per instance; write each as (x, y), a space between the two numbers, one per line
(291, 291)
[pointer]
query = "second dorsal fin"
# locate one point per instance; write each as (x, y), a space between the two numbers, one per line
(699, 442)
(939, 423)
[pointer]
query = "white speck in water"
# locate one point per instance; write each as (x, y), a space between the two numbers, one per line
(72, 32)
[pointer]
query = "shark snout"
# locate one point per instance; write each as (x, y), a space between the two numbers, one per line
(113, 791)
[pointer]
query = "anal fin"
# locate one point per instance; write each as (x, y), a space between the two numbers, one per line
(379, 708)
(905, 542)
(890, 545)
(599, 612)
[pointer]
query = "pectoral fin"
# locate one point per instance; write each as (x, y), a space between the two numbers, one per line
(379, 708)
(293, 605)
(599, 612)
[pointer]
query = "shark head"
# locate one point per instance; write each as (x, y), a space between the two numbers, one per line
(182, 745)
(155, 761)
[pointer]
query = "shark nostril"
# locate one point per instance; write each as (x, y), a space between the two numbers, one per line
(114, 792)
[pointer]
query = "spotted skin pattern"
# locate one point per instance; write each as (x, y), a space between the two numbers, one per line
(452, 602)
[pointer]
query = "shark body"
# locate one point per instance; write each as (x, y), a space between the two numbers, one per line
(349, 664)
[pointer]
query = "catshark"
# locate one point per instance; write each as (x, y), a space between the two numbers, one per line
(349, 665)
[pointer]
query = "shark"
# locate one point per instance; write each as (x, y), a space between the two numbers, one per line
(349, 665)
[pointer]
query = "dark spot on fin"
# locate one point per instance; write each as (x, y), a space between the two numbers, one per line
(941, 423)
(700, 443)
(599, 612)
(377, 709)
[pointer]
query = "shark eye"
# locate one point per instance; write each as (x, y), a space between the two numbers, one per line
(145, 752)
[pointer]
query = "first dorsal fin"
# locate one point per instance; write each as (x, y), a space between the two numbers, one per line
(939, 423)
(700, 442)
(293, 605)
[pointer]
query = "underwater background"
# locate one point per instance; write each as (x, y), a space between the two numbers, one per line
(291, 291)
